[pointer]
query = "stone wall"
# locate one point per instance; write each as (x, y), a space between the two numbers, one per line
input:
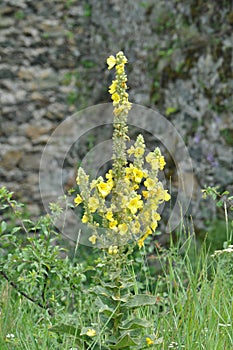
(52, 64)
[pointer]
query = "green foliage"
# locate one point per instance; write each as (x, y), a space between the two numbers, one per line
(31, 259)
(72, 97)
(48, 301)
(87, 10)
(223, 200)
(19, 15)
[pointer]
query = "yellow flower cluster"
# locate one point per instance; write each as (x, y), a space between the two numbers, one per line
(124, 205)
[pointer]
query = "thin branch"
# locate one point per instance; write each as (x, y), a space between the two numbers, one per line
(25, 294)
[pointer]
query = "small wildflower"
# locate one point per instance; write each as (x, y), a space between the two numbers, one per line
(109, 216)
(91, 332)
(85, 218)
(149, 341)
(112, 250)
(167, 196)
(113, 87)
(140, 243)
(78, 200)
(113, 225)
(135, 204)
(10, 336)
(123, 228)
(150, 184)
(104, 188)
(154, 225)
(162, 162)
(111, 61)
(120, 68)
(92, 239)
(93, 204)
(116, 97)
(136, 227)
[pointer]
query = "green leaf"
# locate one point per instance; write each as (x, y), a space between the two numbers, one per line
(140, 300)
(69, 330)
(225, 193)
(171, 110)
(219, 204)
(65, 329)
(3, 227)
(124, 298)
(213, 195)
(136, 323)
(124, 342)
(15, 229)
(103, 307)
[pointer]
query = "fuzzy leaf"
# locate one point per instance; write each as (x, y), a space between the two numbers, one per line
(3, 227)
(219, 204)
(65, 329)
(136, 323)
(140, 300)
(123, 342)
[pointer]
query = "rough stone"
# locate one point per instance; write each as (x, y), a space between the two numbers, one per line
(53, 65)
(30, 162)
(11, 159)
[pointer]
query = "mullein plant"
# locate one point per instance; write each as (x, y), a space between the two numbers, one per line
(121, 210)
(116, 209)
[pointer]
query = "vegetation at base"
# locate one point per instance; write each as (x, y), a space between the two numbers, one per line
(51, 299)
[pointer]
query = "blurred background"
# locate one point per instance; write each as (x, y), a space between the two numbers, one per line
(52, 64)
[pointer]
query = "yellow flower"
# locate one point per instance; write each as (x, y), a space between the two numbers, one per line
(123, 58)
(139, 151)
(146, 215)
(123, 228)
(118, 110)
(145, 194)
(147, 233)
(154, 225)
(150, 156)
(113, 87)
(138, 175)
(112, 250)
(85, 218)
(104, 188)
(109, 175)
(149, 341)
(113, 225)
(110, 183)
(131, 150)
(78, 200)
(109, 216)
(162, 163)
(111, 61)
(93, 204)
(115, 97)
(156, 216)
(135, 204)
(136, 227)
(167, 196)
(120, 68)
(150, 183)
(133, 173)
(140, 243)
(92, 239)
(91, 332)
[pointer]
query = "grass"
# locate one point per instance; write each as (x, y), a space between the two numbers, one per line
(194, 308)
